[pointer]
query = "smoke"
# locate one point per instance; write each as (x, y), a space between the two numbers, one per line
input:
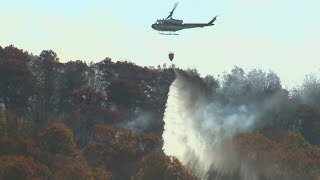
(199, 129)
(143, 122)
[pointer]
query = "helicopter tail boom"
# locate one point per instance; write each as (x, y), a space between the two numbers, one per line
(201, 25)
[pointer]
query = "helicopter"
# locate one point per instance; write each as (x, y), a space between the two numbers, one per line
(172, 25)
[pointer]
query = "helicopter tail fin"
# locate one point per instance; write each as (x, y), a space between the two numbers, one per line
(213, 20)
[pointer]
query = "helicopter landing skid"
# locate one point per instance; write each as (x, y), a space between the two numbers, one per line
(168, 34)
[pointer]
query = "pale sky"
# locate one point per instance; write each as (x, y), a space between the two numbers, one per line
(282, 35)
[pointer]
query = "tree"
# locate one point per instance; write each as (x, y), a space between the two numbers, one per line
(294, 157)
(126, 93)
(120, 143)
(158, 166)
(101, 74)
(18, 146)
(20, 167)
(71, 77)
(235, 86)
(254, 142)
(102, 174)
(309, 123)
(57, 139)
(87, 101)
(257, 81)
(308, 93)
(120, 149)
(17, 83)
(87, 108)
(60, 153)
(45, 67)
(273, 82)
(66, 167)
(149, 142)
(295, 141)
(11, 53)
(114, 148)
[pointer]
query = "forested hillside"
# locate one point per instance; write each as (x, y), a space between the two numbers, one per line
(104, 120)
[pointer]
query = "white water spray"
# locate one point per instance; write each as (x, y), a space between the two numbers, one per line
(199, 132)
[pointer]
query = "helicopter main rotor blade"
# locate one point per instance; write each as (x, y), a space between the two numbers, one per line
(174, 8)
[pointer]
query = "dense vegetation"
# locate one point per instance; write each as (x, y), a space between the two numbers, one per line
(105, 120)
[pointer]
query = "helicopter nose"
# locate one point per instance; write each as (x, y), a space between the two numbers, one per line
(153, 26)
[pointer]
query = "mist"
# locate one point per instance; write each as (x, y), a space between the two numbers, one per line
(200, 124)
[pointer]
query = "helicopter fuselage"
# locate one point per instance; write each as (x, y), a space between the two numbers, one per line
(167, 27)
(177, 27)
(174, 25)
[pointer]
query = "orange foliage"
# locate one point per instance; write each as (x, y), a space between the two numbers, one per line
(149, 142)
(20, 167)
(109, 143)
(112, 116)
(65, 168)
(126, 93)
(120, 142)
(87, 100)
(294, 157)
(120, 149)
(254, 141)
(102, 174)
(57, 138)
(295, 141)
(157, 166)
(18, 146)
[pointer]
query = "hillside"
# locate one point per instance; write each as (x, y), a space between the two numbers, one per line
(106, 120)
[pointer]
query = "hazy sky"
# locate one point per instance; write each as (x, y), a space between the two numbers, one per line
(282, 35)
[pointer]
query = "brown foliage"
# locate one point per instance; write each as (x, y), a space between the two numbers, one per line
(149, 142)
(20, 167)
(87, 100)
(17, 84)
(310, 123)
(126, 93)
(120, 149)
(155, 105)
(158, 166)
(13, 53)
(122, 142)
(131, 71)
(254, 142)
(102, 174)
(109, 143)
(293, 157)
(295, 141)
(68, 168)
(111, 116)
(18, 146)
(57, 138)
